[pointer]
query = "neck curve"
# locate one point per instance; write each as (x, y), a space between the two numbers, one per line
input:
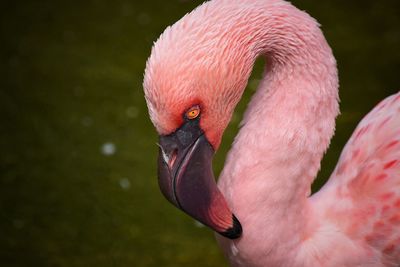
(285, 131)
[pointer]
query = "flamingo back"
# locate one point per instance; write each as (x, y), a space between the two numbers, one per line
(362, 196)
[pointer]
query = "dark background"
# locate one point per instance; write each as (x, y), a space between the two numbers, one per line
(78, 182)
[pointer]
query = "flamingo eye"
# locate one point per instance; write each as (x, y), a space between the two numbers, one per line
(193, 112)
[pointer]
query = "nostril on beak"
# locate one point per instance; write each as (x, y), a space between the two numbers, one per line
(169, 158)
(172, 158)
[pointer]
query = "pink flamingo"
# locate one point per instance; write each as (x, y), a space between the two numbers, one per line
(195, 76)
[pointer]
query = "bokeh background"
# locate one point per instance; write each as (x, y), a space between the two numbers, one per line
(78, 182)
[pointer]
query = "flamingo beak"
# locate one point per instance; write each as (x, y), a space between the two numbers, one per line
(186, 179)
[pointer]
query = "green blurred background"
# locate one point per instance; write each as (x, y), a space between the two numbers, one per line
(78, 182)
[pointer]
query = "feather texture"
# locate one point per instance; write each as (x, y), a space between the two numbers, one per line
(206, 59)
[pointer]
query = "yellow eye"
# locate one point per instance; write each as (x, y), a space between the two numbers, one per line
(193, 112)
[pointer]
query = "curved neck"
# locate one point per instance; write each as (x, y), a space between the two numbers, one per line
(285, 131)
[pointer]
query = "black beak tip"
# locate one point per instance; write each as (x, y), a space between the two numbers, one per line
(235, 231)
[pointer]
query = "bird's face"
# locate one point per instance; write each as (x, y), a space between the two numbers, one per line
(189, 136)
(191, 89)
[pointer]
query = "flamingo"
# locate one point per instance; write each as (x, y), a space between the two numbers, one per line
(262, 207)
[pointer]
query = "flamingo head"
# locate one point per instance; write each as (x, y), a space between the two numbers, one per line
(191, 91)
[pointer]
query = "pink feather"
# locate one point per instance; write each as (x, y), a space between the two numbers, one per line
(207, 57)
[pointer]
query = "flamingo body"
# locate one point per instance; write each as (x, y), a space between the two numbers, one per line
(362, 196)
(204, 61)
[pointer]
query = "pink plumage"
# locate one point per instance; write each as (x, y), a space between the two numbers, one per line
(362, 196)
(205, 59)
